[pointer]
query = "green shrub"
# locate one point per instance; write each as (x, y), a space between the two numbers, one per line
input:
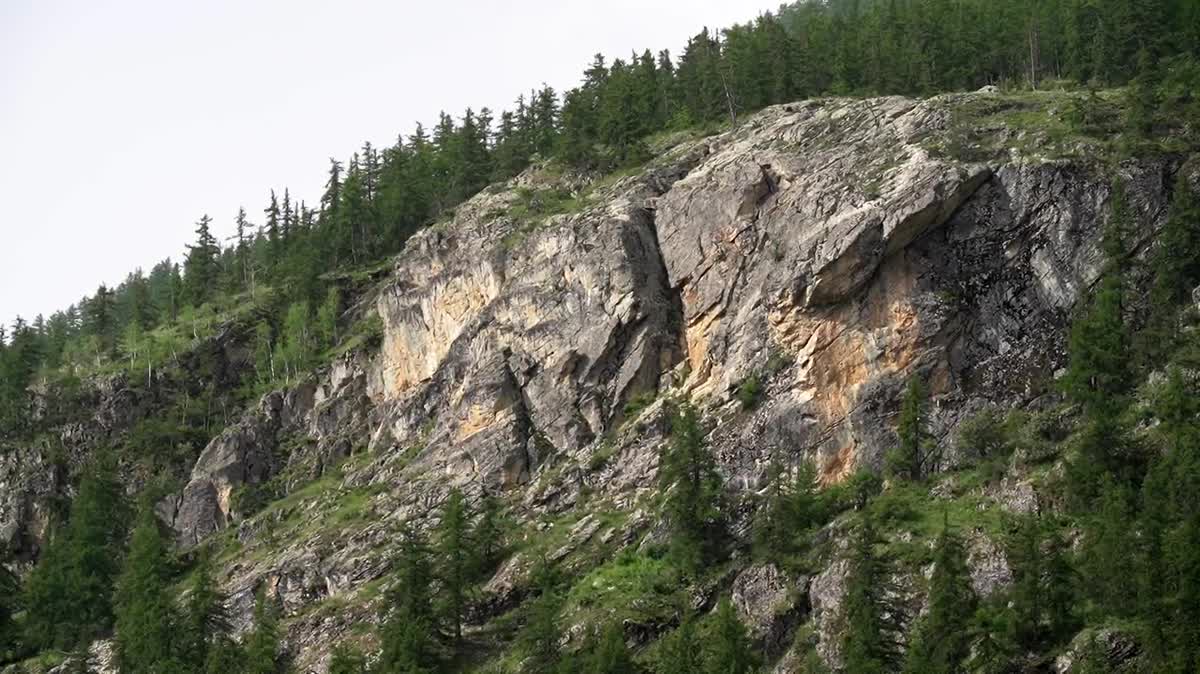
(638, 403)
(749, 392)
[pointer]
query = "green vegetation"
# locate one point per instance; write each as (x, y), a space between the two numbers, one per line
(749, 391)
(283, 291)
(145, 612)
(68, 596)
(915, 456)
(688, 477)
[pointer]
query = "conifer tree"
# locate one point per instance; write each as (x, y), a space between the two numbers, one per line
(487, 535)
(1098, 374)
(1025, 558)
(1107, 564)
(407, 631)
(792, 507)
(1183, 594)
(610, 654)
(200, 268)
(68, 596)
(1175, 260)
(146, 619)
(913, 458)
(347, 660)
(327, 316)
(242, 248)
(678, 654)
(868, 645)
(454, 550)
(224, 655)
(1043, 596)
(540, 636)
(262, 644)
(204, 619)
(942, 644)
(688, 476)
(729, 649)
(10, 590)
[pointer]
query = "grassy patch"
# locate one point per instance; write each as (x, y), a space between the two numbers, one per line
(630, 587)
(1041, 124)
(914, 519)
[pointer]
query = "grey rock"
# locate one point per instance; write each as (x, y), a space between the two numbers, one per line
(988, 565)
(766, 602)
(1117, 649)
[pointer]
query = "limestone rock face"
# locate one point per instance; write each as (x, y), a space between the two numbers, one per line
(503, 343)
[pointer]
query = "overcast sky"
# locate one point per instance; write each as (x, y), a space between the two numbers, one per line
(123, 121)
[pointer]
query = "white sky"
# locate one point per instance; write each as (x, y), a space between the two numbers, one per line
(123, 121)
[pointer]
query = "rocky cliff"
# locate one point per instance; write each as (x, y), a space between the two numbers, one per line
(788, 276)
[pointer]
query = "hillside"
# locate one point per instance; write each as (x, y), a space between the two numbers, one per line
(832, 383)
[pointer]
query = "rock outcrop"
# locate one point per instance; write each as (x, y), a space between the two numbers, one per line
(788, 277)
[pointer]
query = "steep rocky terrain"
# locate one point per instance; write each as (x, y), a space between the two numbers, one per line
(788, 276)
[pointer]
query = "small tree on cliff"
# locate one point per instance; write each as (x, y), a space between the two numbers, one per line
(689, 478)
(262, 645)
(455, 560)
(204, 616)
(408, 646)
(914, 457)
(68, 597)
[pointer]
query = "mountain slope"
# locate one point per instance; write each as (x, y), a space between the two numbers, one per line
(788, 277)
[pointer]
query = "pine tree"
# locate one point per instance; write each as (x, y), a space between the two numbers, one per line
(941, 644)
(242, 248)
(1183, 594)
(688, 476)
(347, 660)
(487, 535)
(729, 650)
(454, 550)
(1098, 374)
(224, 656)
(407, 631)
(913, 458)
(791, 509)
(541, 634)
(1025, 558)
(200, 268)
(10, 591)
(146, 620)
(678, 654)
(1107, 565)
(868, 645)
(1175, 260)
(204, 619)
(327, 316)
(610, 654)
(68, 596)
(262, 644)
